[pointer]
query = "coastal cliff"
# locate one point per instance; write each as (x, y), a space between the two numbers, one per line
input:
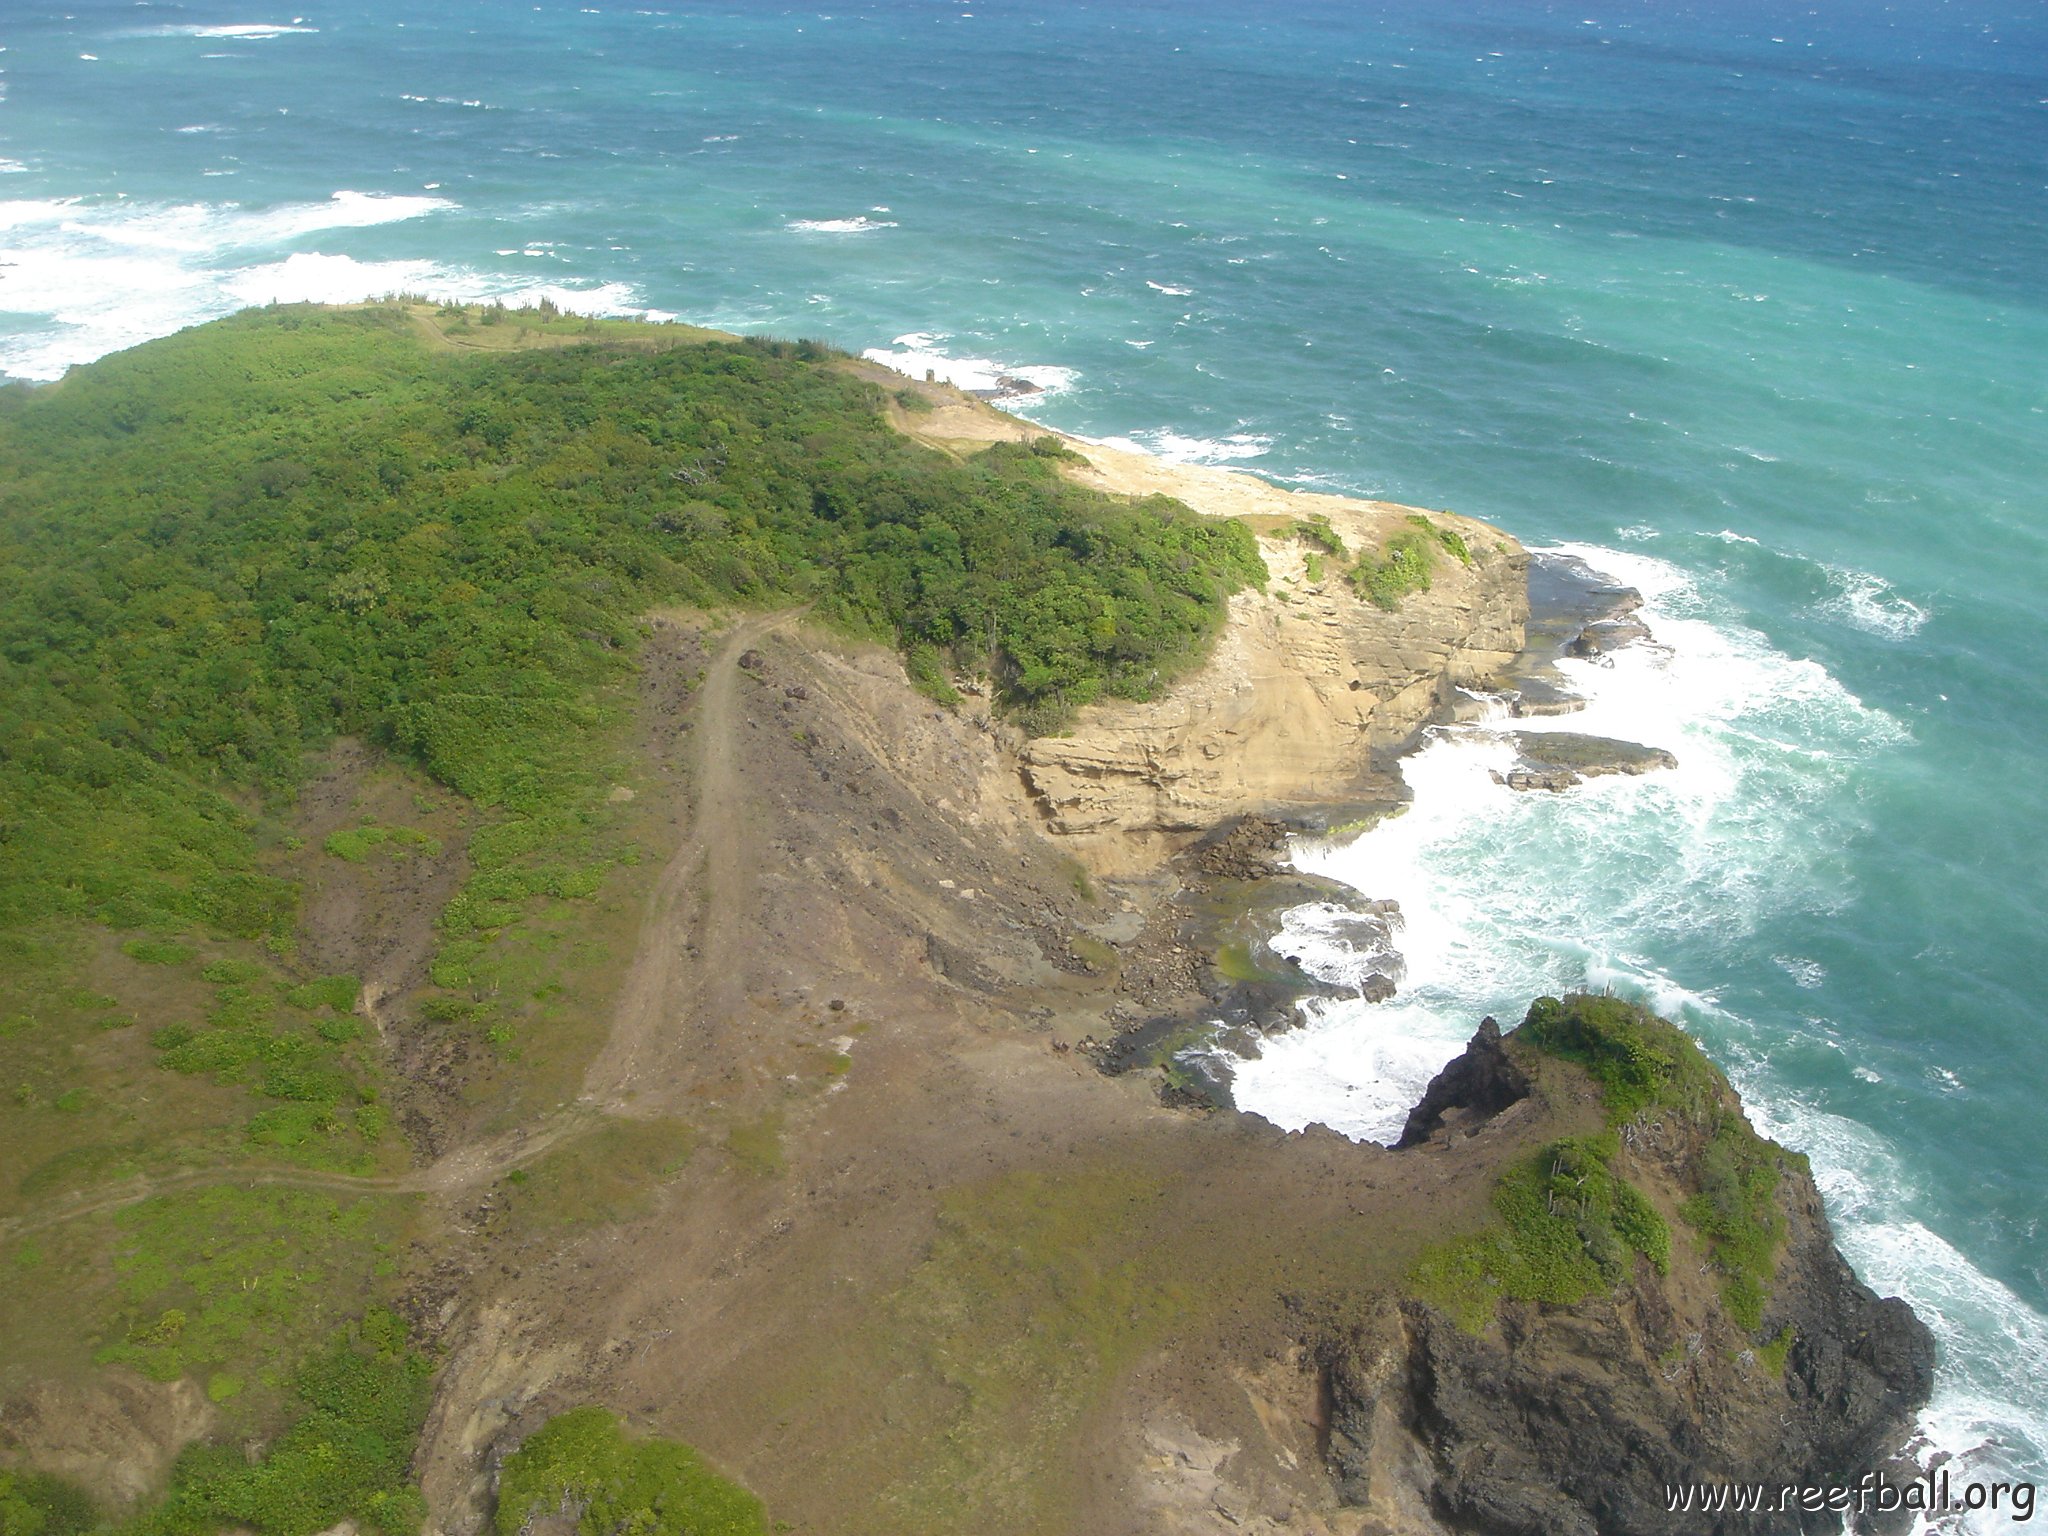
(1580, 1417)
(1310, 688)
(1315, 681)
(708, 1031)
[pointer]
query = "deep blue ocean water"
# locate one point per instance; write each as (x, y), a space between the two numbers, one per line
(1747, 302)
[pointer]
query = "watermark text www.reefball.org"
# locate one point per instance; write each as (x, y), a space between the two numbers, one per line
(1935, 1494)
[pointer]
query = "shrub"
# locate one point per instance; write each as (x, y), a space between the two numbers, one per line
(1315, 529)
(347, 1456)
(32, 1504)
(582, 1462)
(1565, 1226)
(1401, 567)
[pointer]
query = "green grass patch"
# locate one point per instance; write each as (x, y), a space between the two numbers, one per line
(357, 1405)
(158, 951)
(355, 844)
(1772, 1356)
(32, 1504)
(239, 1281)
(337, 994)
(261, 1034)
(584, 1466)
(1638, 1059)
(1092, 952)
(1037, 1293)
(609, 1175)
(1736, 1212)
(1078, 878)
(1646, 1065)
(756, 1145)
(1566, 1226)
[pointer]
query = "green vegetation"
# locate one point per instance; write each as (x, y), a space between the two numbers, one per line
(297, 1047)
(354, 843)
(226, 547)
(1050, 447)
(34, 1505)
(756, 1145)
(1559, 1246)
(1402, 565)
(1736, 1211)
(609, 1175)
(359, 1406)
(238, 1280)
(584, 1466)
(1567, 1226)
(1315, 529)
(1638, 1059)
(1036, 1293)
(927, 671)
(1236, 962)
(1450, 538)
(1772, 1356)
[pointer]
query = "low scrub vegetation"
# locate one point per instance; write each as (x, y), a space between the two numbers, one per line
(583, 1467)
(1568, 1221)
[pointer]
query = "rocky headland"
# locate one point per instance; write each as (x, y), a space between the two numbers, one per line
(818, 1170)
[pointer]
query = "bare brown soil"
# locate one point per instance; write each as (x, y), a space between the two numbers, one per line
(927, 1269)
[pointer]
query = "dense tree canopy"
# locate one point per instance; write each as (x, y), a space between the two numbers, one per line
(220, 550)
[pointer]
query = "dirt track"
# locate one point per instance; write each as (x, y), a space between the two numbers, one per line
(680, 981)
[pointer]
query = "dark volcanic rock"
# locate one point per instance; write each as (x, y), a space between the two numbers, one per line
(1556, 760)
(1482, 1082)
(1605, 635)
(1572, 1421)
(1576, 1418)
(1249, 848)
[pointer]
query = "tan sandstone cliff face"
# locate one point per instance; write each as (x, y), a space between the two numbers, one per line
(1308, 681)
(1307, 684)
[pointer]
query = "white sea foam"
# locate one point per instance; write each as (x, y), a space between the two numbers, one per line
(106, 275)
(860, 224)
(917, 353)
(249, 31)
(1990, 1403)
(1178, 448)
(1508, 894)
(1869, 603)
(1805, 973)
(1170, 289)
(309, 277)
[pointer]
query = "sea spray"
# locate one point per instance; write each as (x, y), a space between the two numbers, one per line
(1510, 894)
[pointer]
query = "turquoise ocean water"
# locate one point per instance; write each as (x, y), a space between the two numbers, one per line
(1747, 304)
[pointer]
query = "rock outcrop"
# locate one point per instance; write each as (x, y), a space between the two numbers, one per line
(1309, 690)
(1475, 1087)
(1574, 1420)
(1556, 760)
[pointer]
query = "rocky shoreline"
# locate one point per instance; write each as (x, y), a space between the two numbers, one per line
(1234, 884)
(1558, 1418)
(1572, 1421)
